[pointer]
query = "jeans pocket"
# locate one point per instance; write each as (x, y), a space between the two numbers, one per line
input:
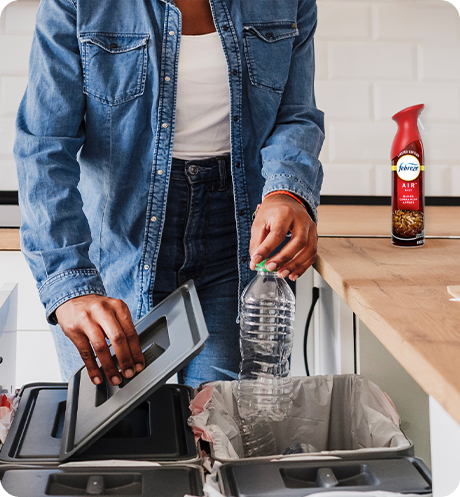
(114, 66)
(267, 49)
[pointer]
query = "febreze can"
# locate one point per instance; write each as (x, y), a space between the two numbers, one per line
(408, 166)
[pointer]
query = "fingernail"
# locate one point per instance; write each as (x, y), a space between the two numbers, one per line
(116, 380)
(139, 367)
(257, 258)
(271, 266)
(97, 380)
(293, 278)
(129, 373)
(285, 273)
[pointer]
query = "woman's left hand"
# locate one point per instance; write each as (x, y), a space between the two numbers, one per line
(277, 216)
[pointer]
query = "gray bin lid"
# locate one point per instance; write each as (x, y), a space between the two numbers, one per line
(161, 481)
(296, 478)
(170, 336)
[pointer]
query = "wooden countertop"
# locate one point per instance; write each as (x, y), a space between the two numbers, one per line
(9, 239)
(401, 295)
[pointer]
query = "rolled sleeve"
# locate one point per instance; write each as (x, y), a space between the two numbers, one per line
(67, 285)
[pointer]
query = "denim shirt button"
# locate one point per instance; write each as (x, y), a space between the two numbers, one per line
(153, 219)
(171, 33)
(113, 45)
(234, 72)
(225, 28)
(165, 125)
(160, 172)
(237, 164)
(235, 118)
(244, 259)
(146, 267)
(242, 212)
(167, 78)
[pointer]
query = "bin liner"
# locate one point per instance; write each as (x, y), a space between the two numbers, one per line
(340, 415)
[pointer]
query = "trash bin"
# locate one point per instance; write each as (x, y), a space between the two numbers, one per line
(142, 420)
(352, 424)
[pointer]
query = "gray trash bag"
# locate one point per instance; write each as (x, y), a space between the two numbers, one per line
(334, 414)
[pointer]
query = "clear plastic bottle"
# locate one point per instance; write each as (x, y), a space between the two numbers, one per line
(267, 325)
(257, 437)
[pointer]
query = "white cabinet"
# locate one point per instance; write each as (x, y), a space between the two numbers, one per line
(8, 336)
(36, 358)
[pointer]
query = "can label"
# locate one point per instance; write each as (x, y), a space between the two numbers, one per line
(408, 199)
(408, 169)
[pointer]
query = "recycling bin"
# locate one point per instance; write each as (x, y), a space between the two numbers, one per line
(143, 420)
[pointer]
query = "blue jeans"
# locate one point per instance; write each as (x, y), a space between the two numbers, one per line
(199, 242)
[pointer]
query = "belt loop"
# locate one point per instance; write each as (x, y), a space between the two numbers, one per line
(222, 174)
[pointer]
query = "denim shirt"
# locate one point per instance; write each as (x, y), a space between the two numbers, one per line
(95, 134)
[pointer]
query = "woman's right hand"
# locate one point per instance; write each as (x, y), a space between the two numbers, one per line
(90, 319)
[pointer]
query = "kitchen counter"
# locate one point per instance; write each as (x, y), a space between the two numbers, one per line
(400, 294)
(9, 239)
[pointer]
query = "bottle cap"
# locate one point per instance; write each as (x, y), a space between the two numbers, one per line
(261, 267)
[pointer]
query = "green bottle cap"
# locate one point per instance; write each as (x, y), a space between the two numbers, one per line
(261, 267)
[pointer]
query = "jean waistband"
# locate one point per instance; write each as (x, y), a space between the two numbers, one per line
(200, 170)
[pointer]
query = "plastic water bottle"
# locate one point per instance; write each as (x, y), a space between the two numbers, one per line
(257, 437)
(267, 319)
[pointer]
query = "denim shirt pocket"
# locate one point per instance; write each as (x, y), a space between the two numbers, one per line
(114, 66)
(267, 49)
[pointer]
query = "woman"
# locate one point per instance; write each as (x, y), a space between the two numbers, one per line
(123, 144)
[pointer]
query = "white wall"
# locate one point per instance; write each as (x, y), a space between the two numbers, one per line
(373, 58)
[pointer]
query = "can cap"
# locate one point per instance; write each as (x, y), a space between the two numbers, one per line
(408, 131)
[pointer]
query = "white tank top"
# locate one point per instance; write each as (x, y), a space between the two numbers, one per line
(202, 127)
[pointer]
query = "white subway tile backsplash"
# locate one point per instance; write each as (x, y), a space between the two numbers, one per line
(8, 177)
(415, 20)
(20, 16)
(442, 100)
(383, 179)
(14, 54)
(372, 60)
(439, 62)
(455, 185)
(348, 179)
(320, 60)
(2, 22)
(438, 180)
(360, 142)
(340, 20)
(12, 89)
(7, 134)
(344, 100)
(442, 144)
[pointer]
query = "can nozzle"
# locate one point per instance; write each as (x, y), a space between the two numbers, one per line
(419, 122)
